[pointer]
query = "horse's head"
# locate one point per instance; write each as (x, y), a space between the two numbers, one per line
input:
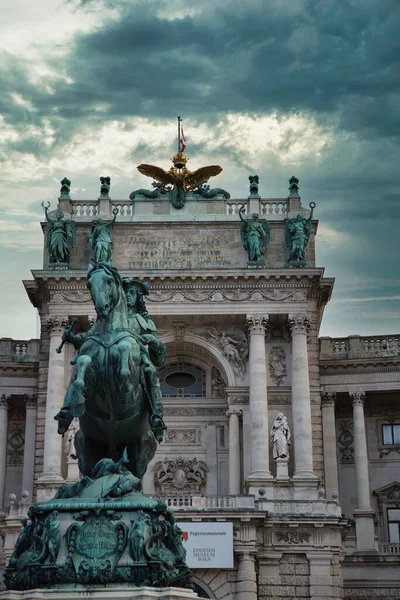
(104, 283)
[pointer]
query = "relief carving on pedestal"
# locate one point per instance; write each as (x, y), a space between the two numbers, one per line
(277, 364)
(345, 440)
(180, 476)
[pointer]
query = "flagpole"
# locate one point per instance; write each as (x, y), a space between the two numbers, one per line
(179, 134)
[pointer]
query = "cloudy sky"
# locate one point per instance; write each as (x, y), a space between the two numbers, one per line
(274, 87)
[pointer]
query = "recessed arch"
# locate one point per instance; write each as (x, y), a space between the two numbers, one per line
(198, 349)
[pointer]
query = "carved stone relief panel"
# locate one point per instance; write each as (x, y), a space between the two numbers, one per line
(180, 476)
(345, 440)
(279, 356)
(182, 436)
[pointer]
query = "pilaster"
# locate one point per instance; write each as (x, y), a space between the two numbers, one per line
(329, 439)
(234, 415)
(363, 514)
(304, 479)
(51, 477)
(30, 445)
(3, 445)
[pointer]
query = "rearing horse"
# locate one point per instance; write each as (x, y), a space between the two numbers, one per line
(107, 390)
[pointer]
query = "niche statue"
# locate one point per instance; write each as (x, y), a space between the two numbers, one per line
(280, 437)
(255, 238)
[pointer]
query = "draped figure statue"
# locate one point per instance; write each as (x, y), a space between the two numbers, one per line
(280, 437)
(59, 234)
(101, 239)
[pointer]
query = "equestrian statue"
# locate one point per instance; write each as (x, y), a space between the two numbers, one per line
(114, 388)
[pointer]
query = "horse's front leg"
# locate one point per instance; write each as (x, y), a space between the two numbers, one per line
(76, 390)
(125, 374)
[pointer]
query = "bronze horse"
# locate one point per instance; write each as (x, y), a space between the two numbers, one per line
(108, 389)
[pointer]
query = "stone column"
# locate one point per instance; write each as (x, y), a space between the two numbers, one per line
(301, 402)
(329, 439)
(3, 446)
(246, 586)
(364, 515)
(234, 415)
(30, 445)
(211, 458)
(51, 478)
(259, 430)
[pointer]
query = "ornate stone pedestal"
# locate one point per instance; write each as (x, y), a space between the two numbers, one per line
(102, 593)
(282, 473)
(98, 533)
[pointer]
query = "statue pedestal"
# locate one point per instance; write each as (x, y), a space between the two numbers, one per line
(102, 593)
(255, 264)
(282, 473)
(92, 535)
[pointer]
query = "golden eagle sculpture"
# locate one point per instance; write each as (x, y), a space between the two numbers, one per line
(178, 181)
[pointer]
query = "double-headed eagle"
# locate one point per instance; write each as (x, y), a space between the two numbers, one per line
(179, 176)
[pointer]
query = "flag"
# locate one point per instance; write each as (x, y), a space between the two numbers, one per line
(182, 142)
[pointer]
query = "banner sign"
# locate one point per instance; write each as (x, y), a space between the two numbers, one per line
(208, 545)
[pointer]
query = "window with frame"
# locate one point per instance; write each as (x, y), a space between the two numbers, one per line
(394, 525)
(391, 434)
(182, 380)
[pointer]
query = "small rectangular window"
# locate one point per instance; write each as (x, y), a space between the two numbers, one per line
(391, 434)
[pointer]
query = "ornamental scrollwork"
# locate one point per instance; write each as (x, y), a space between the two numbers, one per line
(345, 440)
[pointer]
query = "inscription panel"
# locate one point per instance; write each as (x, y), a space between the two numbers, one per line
(179, 250)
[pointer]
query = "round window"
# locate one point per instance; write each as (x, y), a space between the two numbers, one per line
(180, 380)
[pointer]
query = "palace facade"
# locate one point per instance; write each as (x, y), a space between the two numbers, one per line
(243, 346)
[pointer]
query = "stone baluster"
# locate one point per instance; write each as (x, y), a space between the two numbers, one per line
(3, 445)
(30, 445)
(301, 403)
(246, 586)
(329, 439)
(234, 415)
(364, 515)
(51, 478)
(260, 472)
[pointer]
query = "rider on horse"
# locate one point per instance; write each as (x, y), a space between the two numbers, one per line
(152, 352)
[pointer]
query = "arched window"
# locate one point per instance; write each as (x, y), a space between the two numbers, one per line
(182, 380)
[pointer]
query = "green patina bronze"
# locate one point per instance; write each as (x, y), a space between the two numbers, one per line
(65, 189)
(297, 235)
(205, 192)
(105, 187)
(101, 239)
(255, 238)
(103, 529)
(60, 233)
(293, 186)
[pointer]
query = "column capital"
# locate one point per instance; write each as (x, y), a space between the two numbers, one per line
(234, 411)
(358, 398)
(30, 401)
(328, 398)
(257, 323)
(299, 323)
(57, 324)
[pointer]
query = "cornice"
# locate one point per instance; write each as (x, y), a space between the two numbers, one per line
(235, 285)
(364, 365)
(19, 370)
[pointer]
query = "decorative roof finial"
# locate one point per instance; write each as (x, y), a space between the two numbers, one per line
(254, 181)
(65, 188)
(293, 186)
(105, 187)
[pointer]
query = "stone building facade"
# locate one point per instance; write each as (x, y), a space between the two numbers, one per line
(242, 347)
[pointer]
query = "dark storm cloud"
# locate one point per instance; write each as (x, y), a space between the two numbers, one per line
(331, 59)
